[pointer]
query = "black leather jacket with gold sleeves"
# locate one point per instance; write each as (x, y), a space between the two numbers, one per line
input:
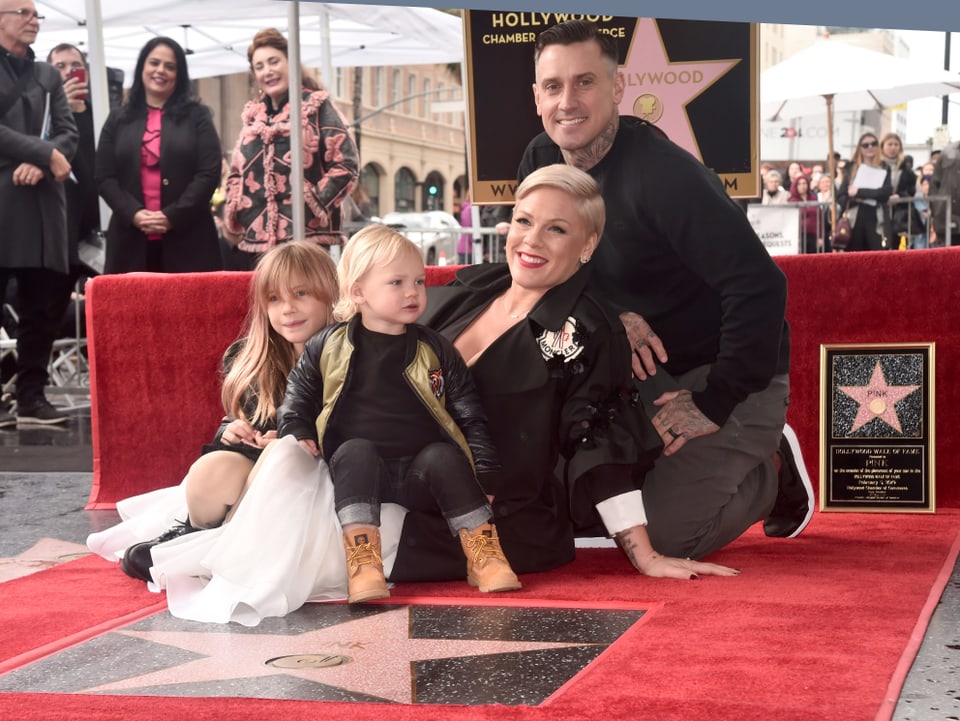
(321, 379)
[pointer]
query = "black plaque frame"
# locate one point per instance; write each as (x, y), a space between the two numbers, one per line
(876, 428)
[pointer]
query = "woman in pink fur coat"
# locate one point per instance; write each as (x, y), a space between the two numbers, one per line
(258, 212)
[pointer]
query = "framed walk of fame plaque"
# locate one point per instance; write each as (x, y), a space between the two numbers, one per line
(876, 428)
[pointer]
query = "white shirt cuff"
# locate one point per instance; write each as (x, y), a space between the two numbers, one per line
(619, 513)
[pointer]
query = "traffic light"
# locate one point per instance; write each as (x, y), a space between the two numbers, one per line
(432, 189)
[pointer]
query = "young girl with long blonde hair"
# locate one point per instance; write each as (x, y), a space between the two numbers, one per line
(291, 298)
(273, 531)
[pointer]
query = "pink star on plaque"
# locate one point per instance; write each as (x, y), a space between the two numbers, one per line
(658, 90)
(877, 400)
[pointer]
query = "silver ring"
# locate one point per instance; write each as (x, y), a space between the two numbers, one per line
(673, 433)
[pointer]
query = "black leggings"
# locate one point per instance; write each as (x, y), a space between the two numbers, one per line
(439, 477)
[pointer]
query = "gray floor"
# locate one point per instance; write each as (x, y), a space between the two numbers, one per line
(49, 503)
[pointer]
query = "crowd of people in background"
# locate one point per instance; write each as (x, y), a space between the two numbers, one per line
(178, 202)
(897, 214)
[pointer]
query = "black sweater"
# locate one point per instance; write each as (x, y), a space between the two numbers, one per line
(678, 251)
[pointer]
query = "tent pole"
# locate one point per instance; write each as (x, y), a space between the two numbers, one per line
(296, 121)
(99, 92)
(832, 162)
(326, 59)
(99, 95)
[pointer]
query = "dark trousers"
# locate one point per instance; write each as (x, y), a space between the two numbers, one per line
(39, 305)
(439, 477)
(865, 235)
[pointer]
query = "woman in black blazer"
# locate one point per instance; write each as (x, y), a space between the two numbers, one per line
(866, 206)
(158, 163)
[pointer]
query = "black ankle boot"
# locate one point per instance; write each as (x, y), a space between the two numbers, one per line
(137, 560)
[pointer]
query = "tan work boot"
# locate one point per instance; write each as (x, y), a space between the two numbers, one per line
(365, 580)
(487, 567)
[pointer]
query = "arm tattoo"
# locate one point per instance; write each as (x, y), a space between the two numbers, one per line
(629, 547)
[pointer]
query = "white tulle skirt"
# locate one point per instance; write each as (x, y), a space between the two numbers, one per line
(282, 548)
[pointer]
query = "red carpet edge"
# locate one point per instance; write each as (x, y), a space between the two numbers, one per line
(919, 631)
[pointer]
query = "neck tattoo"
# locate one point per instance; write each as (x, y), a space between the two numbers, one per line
(586, 158)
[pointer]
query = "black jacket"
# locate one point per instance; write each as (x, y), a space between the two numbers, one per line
(869, 233)
(559, 409)
(906, 187)
(323, 374)
(33, 218)
(190, 160)
(678, 251)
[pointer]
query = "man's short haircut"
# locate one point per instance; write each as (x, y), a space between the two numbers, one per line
(66, 46)
(577, 31)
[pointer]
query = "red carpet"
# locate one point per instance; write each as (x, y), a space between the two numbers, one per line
(820, 627)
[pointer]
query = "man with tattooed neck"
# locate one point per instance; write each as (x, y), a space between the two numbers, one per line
(701, 300)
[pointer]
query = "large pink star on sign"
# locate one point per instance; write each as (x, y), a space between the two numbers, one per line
(877, 400)
(658, 90)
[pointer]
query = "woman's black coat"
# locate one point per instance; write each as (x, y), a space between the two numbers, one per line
(190, 163)
(557, 415)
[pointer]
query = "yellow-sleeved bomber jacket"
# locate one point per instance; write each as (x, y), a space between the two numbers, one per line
(433, 368)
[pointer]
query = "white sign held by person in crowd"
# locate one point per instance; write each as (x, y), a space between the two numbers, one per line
(778, 227)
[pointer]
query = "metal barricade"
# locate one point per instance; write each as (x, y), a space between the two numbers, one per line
(924, 205)
(906, 240)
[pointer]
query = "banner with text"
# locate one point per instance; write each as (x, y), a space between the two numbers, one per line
(777, 226)
(805, 139)
(696, 80)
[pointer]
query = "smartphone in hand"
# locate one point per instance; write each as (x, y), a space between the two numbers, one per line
(81, 75)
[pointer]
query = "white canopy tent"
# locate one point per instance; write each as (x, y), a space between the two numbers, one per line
(853, 78)
(216, 33)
